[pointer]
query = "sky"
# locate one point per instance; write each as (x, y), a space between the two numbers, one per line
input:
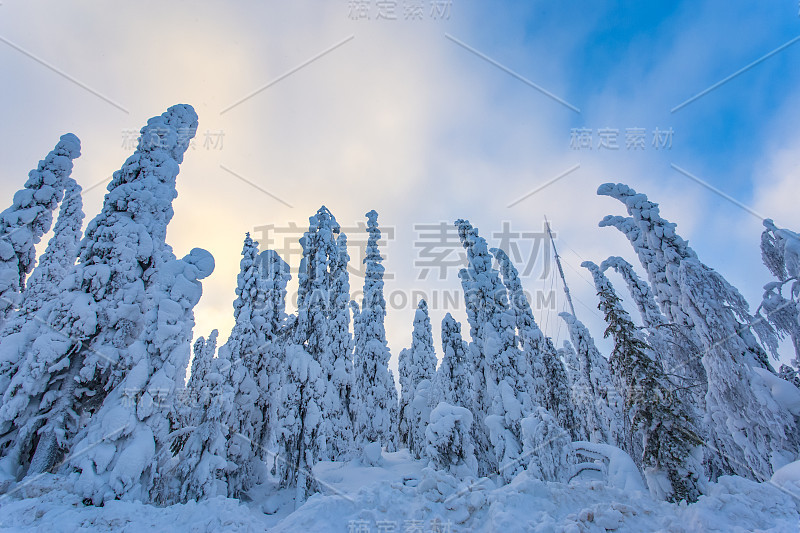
(501, 113)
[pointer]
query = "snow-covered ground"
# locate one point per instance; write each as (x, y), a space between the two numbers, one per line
(401, 495)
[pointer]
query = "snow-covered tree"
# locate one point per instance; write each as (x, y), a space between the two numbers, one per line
(416, 363)
(748, 433)
(125, 450)
(660, 433)
(204, 352)
(244, 350)
(374, 396)
(274, 276)
(202, 463)
(546, 446)
(23, 224)
(640, 292)
(452, 380)
(418, 413)
(662, 252)
(42, 286)
(550, 385)
(193, 402)
(780, 251)
(448, 440)
(754, 434)
(59, 257)
(320, 427)
(81, 349)
(300, 442)
(502, 379)
(672, 346)
(323, 289)
(340, 380)
(597, 402)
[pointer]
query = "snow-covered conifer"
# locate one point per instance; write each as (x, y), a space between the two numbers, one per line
(42, 286)
(750, 435)
(307, 432)
(23, 224)
(546, 446)
(550, 385)
(244, 350)
(660, 434)
(502, 378)
(340, 385)
(300, 442)
(754, 435)
(662, 252)
(672, 344)
(448, 440)
(452, 380)
(374, 396)
(202, 464)
(81, 349)
(415, 364)
(193, 402)
(418, 413)
(125, 450)
(204, 352)
(780, 251)
(597, 402)
(274, 276)
(59, 256)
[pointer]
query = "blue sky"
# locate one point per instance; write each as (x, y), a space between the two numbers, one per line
(422, 121)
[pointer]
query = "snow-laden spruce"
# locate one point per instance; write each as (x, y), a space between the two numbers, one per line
(598, 404)
(244, 351)
(780, 251)
(546, 447)
(749, 434)
(660, 433)
(59, 257)
(448, 442)
(416, 363)
(306, 407)
(340, 432)
(550, 385)
(671, 347)
(502, 379)
(29, 217)
(662, 252)
(274, 276)
(374, 398)
(80, 350)
(42, 286)
(452, 381)
(202, 461)
(125, 450)
(204, 350)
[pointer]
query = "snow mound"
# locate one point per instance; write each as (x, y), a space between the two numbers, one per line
(786, 394)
